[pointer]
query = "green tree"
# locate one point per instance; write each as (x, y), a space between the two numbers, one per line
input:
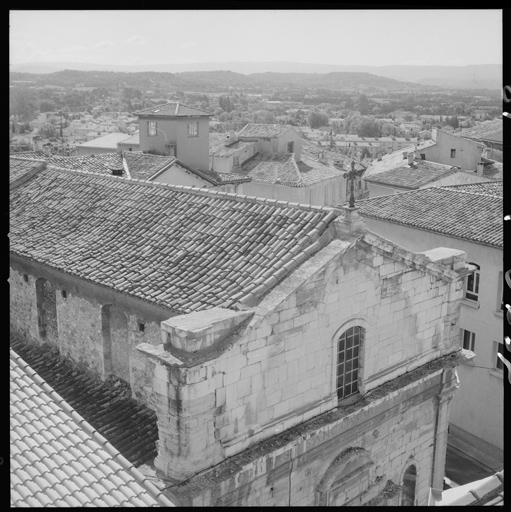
(264, 117)
(47, 131)
(23, 104)
(317, 119)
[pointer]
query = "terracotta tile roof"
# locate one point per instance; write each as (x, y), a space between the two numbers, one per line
(426, 144)
(172, 110)
(254, 131)
(487, 130)
(20, 167)
(143, 166)
(28, 154)
(102, 163)
(312, 171)
(277, 168)
(471, 212)
(412, 177)
(59, 459)
(181, 248)
(89, 396)
(217, 145)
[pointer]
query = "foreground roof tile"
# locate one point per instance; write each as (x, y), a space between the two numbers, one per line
(35, 488)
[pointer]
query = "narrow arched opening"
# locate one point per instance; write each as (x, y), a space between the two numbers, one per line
(408, 490)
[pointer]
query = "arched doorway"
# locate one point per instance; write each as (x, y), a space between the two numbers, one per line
(346, 479)
(408, 491)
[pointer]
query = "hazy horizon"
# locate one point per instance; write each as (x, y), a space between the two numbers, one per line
(326, 37)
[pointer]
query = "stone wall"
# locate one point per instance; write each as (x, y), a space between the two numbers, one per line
(353, 457)
(74, 316)
(280, 370)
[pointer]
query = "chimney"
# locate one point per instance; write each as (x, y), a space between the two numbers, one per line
(321, 158)
(480, 168)
(410, 158)
(231, 138)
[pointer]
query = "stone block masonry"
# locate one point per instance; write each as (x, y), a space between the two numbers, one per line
(347, 457)
(50, 307)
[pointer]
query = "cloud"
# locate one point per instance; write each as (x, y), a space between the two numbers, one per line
(136, 39)
(104, 44)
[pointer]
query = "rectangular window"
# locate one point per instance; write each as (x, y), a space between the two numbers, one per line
(469, 340)
(151, 128)
(423, 156)
(64, 294)
(193, 129)
(499, 349)
(236, 161)
(348, 349)
(290, 147)
(472, 285)
(141, 326)
(453, 153)
(25, 278)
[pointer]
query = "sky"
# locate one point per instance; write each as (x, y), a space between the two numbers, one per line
(456, 37)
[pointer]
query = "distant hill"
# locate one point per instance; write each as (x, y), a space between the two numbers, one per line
(211, 80)
(474, 76)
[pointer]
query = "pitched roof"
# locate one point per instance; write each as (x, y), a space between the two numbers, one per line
(277, 168)
(109, 141)
(143, 166)
(134, 139)
(172, 110)
(412, 177)
(121, 422)
(472, 212)
(389, 161)
(488, 491)
(21, 167)
(254, 131)
(218, 141)
(58, 459)
(312, 171)
(181, 248)
(487, 130)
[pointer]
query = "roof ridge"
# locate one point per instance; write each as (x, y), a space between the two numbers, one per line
(206, 191)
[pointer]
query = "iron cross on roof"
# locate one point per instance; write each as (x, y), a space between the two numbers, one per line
(351, 176)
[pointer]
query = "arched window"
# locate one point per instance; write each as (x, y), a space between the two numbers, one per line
(408, 489)
(348, 350)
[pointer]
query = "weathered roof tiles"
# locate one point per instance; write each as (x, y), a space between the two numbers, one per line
(471, 212)
(155, 241)
(58, 459)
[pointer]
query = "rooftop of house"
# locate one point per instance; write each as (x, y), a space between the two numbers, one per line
(487, 130)
(488, 491)
(414, 176)
(313, 152)
(133, 139)
(180, 248)
(220, 145)
(141, 166)
(471, 212)
(58, 458)
(389, 161)
(426, 144)
(172, 110)
(109, 141)
(279, 168)
(84, 392)
(254, 131)
(20, 167)
(493, 170)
